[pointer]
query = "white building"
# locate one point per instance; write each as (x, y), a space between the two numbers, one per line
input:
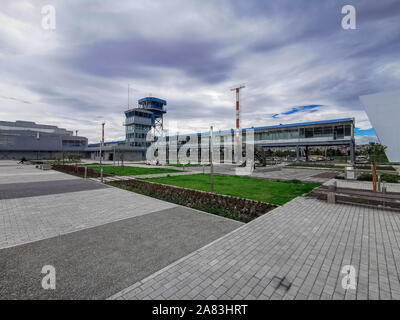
(383, 110)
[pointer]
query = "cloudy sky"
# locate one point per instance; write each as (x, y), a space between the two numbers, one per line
(296, 60)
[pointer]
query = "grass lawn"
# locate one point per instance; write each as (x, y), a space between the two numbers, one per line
(243, 187)
(129, 171)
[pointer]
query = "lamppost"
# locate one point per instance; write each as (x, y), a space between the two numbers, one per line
(101, 152)
(211, 156)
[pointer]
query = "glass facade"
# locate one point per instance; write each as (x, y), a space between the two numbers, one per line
(136, 135)
(333, 131)
(140, 144)
(136, 113)
(135, 126)
(73, 143)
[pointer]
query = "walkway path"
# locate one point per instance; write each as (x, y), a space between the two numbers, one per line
(294, 252)
(99, 239)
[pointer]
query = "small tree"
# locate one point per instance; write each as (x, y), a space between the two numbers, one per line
(121, 156)
(376, 154)
(75, 157)
(58, 157)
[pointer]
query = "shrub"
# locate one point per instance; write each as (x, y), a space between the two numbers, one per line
(79, 171)
(391, 178)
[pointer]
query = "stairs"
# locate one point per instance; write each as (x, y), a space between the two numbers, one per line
(390, 200)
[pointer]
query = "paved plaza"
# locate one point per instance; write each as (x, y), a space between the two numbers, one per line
(294, 252)
(110, 243)
(100, 239)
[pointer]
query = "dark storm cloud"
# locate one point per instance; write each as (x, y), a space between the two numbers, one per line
(71, 103)
(15, 99)
(134, 57)
(289, 53)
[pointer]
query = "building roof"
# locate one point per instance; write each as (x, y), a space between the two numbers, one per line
(301, 124)
(153, 99)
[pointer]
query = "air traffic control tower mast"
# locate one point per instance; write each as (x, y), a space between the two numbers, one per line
(156, 106)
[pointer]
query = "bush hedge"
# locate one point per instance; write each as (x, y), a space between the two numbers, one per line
(391, 178)
(75, 170)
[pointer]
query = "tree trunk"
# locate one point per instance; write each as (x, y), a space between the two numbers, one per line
(374, 177)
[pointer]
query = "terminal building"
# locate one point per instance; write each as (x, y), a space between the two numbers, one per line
(37, 141)
(148, 116)
(299, 136)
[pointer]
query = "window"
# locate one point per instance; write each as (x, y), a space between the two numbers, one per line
(293, 133)
(347, 130)
(339, 132)
(328, 131)
(309, 132)
(73, 143)
(318, 132)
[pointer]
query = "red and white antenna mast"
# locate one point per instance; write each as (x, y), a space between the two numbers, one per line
(237, 90)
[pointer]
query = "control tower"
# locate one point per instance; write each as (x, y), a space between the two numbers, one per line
(148, 115)
(156, 106)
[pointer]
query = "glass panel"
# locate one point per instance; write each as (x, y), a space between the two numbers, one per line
(309, 132)
(328, 131)
(293, 133)
(339, 132)
(347, 130)
(318, 132)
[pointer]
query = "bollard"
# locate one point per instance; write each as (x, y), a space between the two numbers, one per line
(378, 183)
(85, 172)
(331, 197)
(384, 187)
(332, 187)
(101, 174)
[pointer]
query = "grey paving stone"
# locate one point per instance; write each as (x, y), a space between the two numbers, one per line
(308, 242)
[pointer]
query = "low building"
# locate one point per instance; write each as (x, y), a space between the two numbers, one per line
(37, 141)
(299, 136)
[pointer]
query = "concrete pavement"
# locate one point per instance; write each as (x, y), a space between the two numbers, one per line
(99, 239)
(297, 251)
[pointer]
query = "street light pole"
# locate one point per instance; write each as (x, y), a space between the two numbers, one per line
(101, 153)
(211, 155)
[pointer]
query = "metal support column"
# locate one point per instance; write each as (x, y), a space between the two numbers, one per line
(306, 153)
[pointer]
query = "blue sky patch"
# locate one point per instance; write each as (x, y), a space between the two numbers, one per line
(309, 108)
(367, 132)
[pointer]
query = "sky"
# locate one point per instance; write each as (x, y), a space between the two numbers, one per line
(295, 59)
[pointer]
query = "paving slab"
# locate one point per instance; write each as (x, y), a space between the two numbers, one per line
(304, 244)
(97, 262)
(32, 189)
(13, 173)
(34, 218)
